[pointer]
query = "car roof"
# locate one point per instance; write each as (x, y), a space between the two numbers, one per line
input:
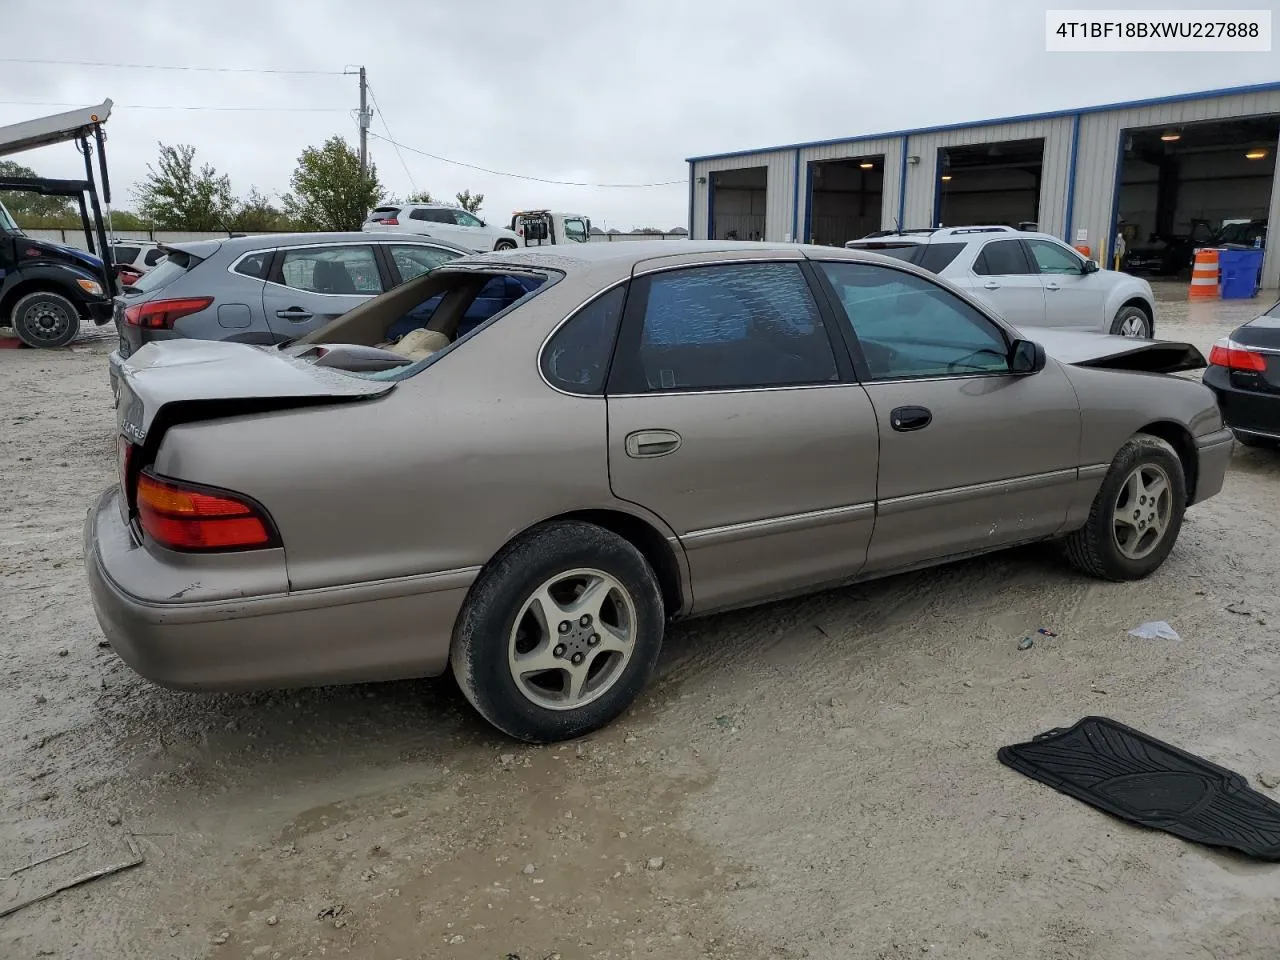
(953, 234)
(263, 241)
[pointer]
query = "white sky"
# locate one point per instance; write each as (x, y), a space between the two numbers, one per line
(616, 91)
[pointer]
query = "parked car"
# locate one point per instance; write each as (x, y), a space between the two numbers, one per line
(1173, 254)
(136, 255)
(656, 431)
(1244, 373)
(265, 289)
(1031, 279)
(443, 222)
(47, 289)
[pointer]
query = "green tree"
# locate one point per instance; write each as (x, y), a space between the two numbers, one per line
(420, 196)
(124, 222)
(256, 213)
(468, 202)
(29, 207)
(177, 196)
(328, 191)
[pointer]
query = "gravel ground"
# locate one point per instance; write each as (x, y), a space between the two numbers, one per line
(814, 778)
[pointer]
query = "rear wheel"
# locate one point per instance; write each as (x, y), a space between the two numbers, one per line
(505, 245)
(560, 633)
(1132, 322)
(1136, 515)
(45, 319)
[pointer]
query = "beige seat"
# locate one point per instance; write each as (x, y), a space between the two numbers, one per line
(420, 344)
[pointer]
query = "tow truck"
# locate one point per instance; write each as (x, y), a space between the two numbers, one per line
(48, 289)
(536, 228)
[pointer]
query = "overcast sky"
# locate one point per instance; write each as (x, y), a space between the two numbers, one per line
(601, 91)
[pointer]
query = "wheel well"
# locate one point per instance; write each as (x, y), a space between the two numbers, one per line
(1178, 437)
(651, 544)
(1142, 305)
(37, 285)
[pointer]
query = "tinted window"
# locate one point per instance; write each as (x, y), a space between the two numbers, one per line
(733, 326)
(383, 213)
(464, 219)
(910, 327)
(125, 254)
(335, 270)
(168, 270)
(938, 256)
(154, 256)
(253, 265)
(1051, 258)
(414, 261)
(1002, 258)
(420, 214)
(576, 359)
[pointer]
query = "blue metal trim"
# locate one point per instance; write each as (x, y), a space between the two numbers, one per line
(937, 188)
(1109, 238)
(1050, 115)
(692, 181)
(1071, 180)
(808, 201)
(711, 206)
(902, 186)
(795, 204)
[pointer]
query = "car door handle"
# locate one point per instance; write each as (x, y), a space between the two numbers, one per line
(991, 285)
(294, 313)
(643, 444)
(1053, 286)
(906, 419)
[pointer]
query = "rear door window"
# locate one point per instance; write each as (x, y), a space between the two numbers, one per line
(331, 270)
(726, 327)
(1002, 258)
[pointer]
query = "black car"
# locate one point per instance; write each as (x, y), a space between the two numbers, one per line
(1244, 372)
(46, 289)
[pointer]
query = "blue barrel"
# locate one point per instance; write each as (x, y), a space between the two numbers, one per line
(1239, 273)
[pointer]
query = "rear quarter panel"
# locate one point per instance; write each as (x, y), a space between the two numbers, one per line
(435, 476)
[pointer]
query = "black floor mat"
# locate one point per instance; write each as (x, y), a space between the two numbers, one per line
(1137, 778)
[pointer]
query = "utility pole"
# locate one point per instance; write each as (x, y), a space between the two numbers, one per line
(364, 125)
(363, 118)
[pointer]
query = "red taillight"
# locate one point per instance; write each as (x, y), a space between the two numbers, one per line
(1227, 353)
(161, 314)
(186, 517)
(390, 222)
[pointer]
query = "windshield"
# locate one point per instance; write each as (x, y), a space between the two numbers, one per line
(6, 222)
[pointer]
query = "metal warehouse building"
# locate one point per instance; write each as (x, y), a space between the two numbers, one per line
(1148, 167)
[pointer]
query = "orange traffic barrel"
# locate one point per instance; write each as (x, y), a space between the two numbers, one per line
(1204, 275)
(1083, 250)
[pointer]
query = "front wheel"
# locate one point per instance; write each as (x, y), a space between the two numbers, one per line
(45, 319)
(1132, 322)
(505, 245)
(560, 633)
(1136, 514)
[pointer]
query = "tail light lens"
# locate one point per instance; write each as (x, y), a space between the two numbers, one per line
(389, 222)
(1227, 353)
(162, 314)
(194, 518)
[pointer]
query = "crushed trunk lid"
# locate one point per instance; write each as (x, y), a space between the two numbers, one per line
(194, 379)
(1110, 352)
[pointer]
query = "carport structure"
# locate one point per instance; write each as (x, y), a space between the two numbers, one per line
(1071, 172)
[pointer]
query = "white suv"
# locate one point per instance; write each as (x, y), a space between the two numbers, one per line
(443, 222)
(1032, 279)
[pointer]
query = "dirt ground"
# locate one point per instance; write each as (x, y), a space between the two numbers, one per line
(816, 778)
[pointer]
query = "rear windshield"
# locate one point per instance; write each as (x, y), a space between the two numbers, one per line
(165, 272)
(384, 213)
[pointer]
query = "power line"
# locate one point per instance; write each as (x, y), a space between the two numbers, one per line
(174, 106)
(522, 176)
(390, 136)
(168, 66)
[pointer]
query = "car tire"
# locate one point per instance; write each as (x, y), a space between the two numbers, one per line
(45, 319)
(1129, 319)
(504, 245)
(1115, 543)
(500, 642)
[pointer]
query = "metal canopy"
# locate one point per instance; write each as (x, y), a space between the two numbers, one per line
(58, 128)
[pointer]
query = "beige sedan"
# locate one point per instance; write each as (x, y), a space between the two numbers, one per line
(641, 432)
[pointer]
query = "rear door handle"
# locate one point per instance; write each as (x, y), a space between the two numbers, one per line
(1053, 286)
(295, 314)
(906, 419)
(991, 285)
(644, 444)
